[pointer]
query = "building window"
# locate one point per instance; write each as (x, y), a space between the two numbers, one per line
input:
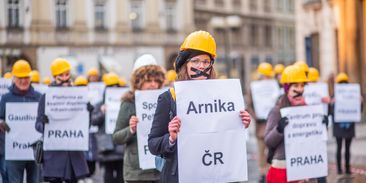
(136, 15)
(291, 6)
(279, 4)
(61, 13)
(237, 36)
(267, 6)
(14, 13)
(254, 35)
(170, 9)
(219, 3)
(237, 5)
(100, 14)
(200, 2)
(268, 36)
(253, 5)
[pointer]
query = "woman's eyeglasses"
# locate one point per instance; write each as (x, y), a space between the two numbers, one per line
(197, 63)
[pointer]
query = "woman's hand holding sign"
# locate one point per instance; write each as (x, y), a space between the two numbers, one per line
(245, 118)
(133, 124)
(173, 128)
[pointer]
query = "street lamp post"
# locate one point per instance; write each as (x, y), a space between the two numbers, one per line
(226, 24)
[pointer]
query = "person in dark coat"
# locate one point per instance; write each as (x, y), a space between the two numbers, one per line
(59, 166)
(111, 158)
(194, 62)
(20, 91)
(344, 131)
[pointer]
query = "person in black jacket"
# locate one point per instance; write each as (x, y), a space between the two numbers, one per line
(194, 62)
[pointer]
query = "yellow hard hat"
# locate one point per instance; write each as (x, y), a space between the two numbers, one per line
(8, 75)
(59, 66)
(303, 65)
(104, 76)
(171, 75)
(46, 80)
(21, 68)
(200, 40)
(111, 79)
(278, 69)
(313, 74)
(35, 77)
(93, 72)
(122, 82)
(81, 81)
(341, 77)
(265, 69)
(293, 74)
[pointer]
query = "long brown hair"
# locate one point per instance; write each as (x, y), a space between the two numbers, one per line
(183, 73)
(142, 75)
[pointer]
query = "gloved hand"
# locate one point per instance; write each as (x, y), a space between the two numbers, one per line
(4, 127)
(44, 119)
(282, 124)
(89, 107)
(325, 120)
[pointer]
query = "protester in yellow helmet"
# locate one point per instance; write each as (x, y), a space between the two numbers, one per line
(313, 74)
(35, 77)
(46, 80)
(93, 75)
(293, 80)
(265, 70)
(303, 65)
(20, 92)
(194, 62)
(342, 78)
(81, 81)
(8, 75)
(60, 166)
(170, 76)
(122, 82)
(278, 71)
(110, 157)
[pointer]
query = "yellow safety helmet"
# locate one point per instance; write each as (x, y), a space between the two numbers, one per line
(111, 79)
(341, 77)
(200, 40)
(171, 75)
(81, 81)
(278, 69)
(93, 72)
(303, 65)
(293, 74)
(265, 69)
(21, 68)
(313, 74)
(35, 77)
(46, 80)
(59, 66)
(8, 75)
(122, 82)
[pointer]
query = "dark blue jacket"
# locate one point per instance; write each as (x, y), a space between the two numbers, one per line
(158, 140)
(14, 95)
(60, 164)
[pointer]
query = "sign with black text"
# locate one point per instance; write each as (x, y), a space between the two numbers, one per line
(347, 107)
(21, 118)
(211, 140)
(305, 142)
(146, 102)
(68, 126)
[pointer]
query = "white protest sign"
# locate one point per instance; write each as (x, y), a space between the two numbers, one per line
(305, 146)
(41, 88)
(4, 85)
(21, 118)
(68, 127)
(112, 100)
(347, 107)
(211, 141)
(209, 105)
(265, 93)
(146, 102)
(95, 93)
(212, 157)
(314, 92)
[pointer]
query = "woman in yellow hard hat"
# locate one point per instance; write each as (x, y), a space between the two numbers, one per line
(109, 157)
(170, 76)
(8, 75)
(35, 77)
(194, 62)
(59, 166)
(93, 75)
(46, 80)
(80, 81)
(147, 75)
(278, 69)
(21, 92)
